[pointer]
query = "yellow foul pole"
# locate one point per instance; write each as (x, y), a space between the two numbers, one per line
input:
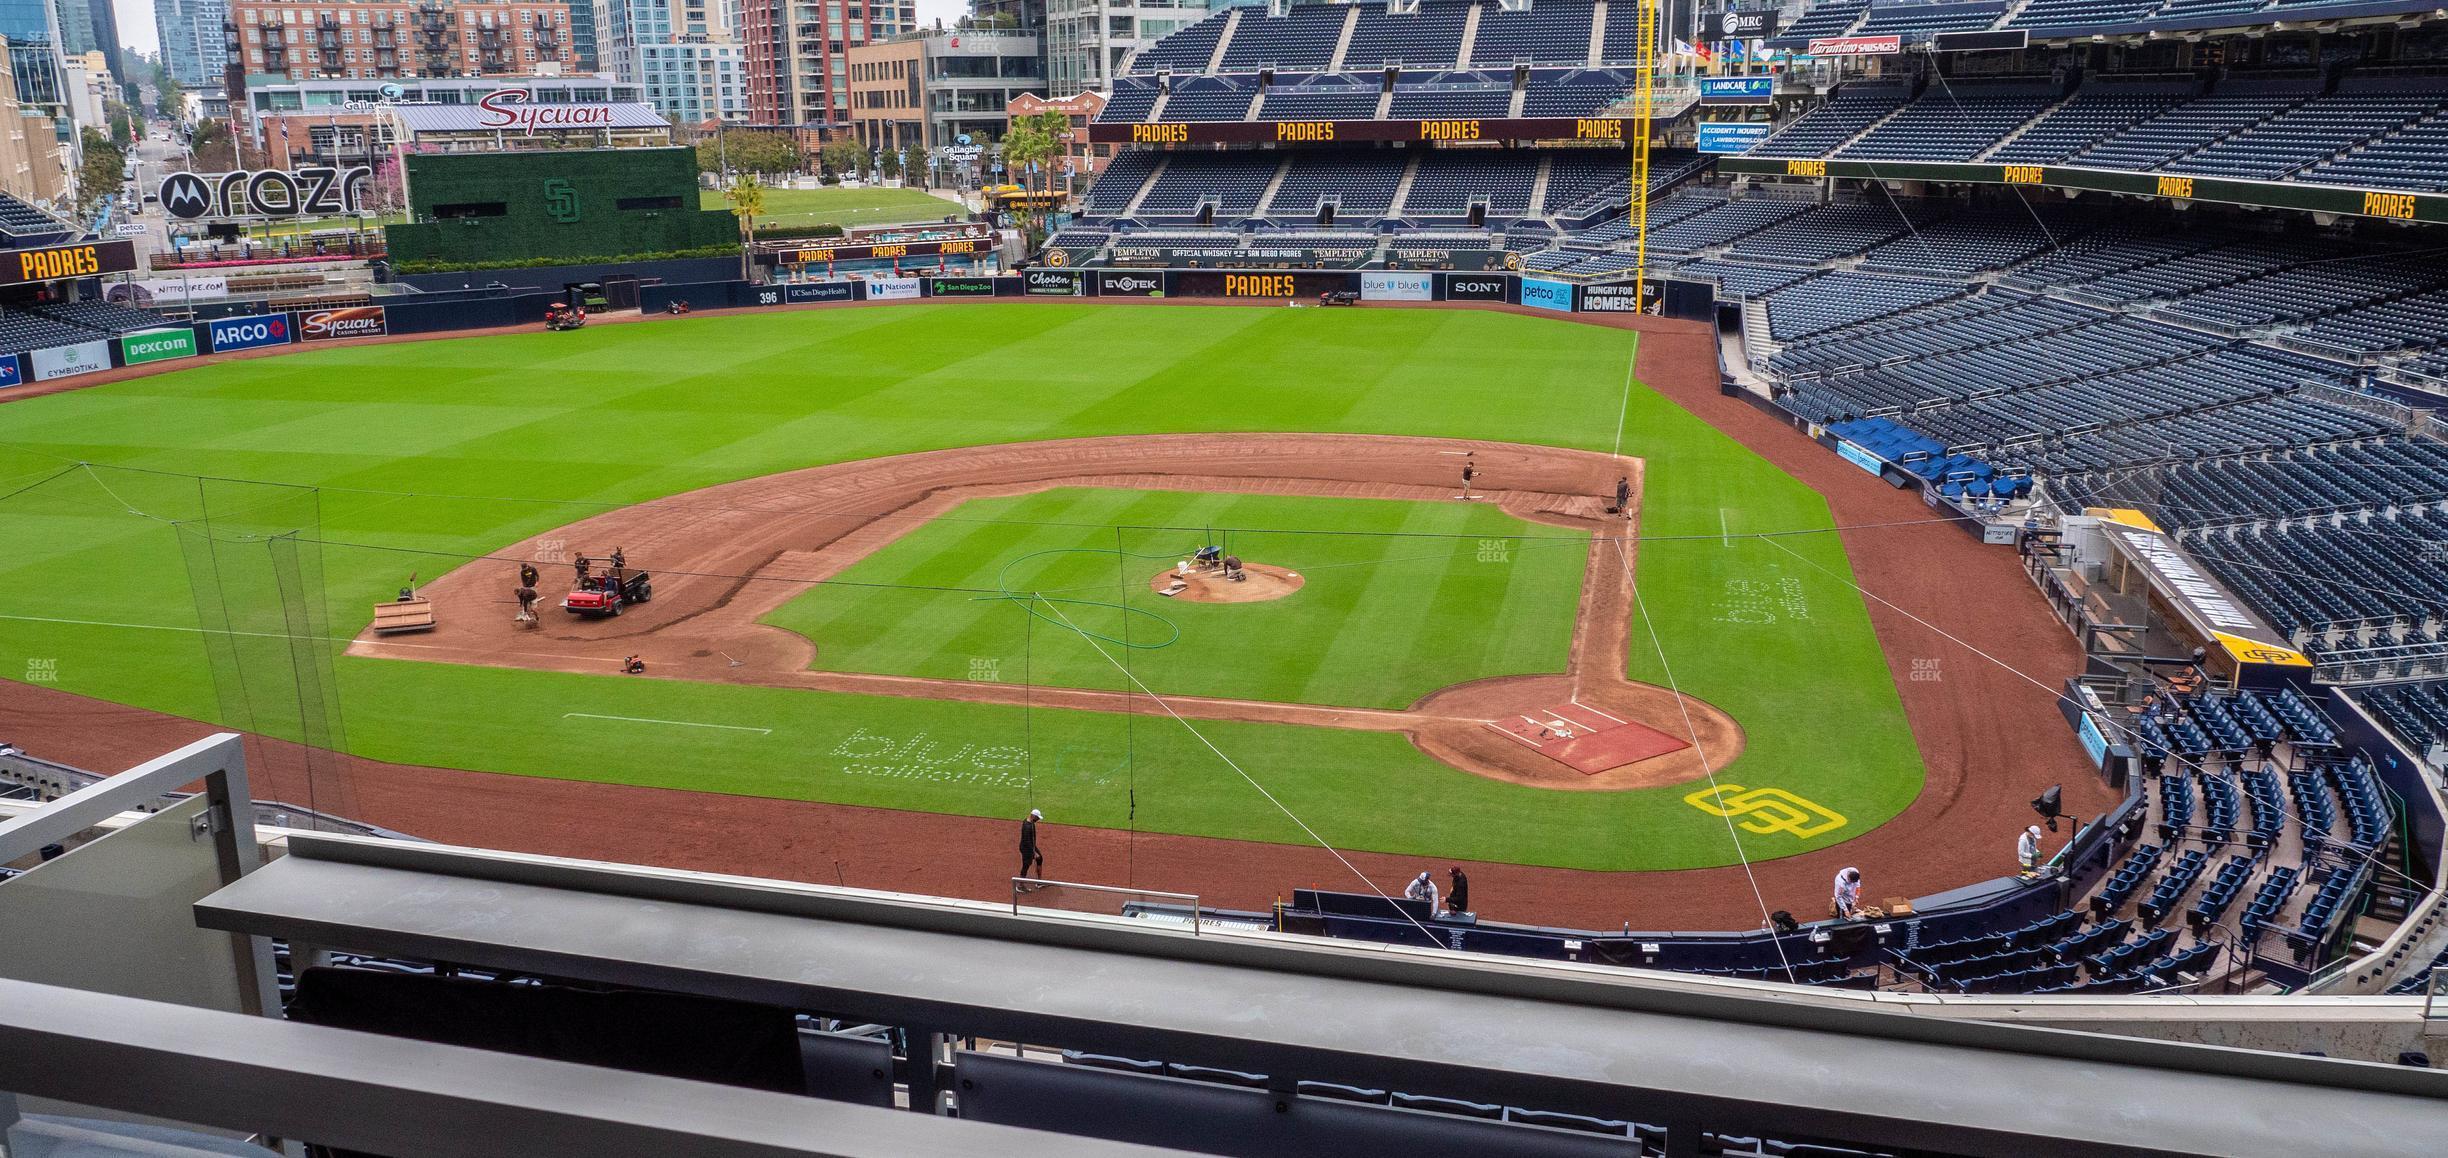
(1644, 106)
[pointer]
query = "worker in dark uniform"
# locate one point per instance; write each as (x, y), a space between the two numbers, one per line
(1030, 859)
(1623, 494)
(1457, 896)
(620, 565)
(1470, 471)
(586, 567)
(528, 575)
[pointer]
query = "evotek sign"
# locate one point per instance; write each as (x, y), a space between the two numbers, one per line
(1739, 24)
(311, 191)
(249, 332)
(1121, 283)
(157, 346)
(353, 322)
(53, 263)
(513, 110)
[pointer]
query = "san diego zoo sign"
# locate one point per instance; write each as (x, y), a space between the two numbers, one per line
(308, 191)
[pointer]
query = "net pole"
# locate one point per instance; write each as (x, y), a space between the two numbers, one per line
(1130, 717)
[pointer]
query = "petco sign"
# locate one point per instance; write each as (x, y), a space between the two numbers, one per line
(354, 322)
(310, 191)
(514, 110)
(250, 332)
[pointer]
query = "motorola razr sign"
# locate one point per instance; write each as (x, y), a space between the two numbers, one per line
(308, 191)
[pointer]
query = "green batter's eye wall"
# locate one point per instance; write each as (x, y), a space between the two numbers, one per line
(589, 203)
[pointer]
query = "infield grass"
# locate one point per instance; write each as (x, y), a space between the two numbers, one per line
(424, 454)
(1399, 598)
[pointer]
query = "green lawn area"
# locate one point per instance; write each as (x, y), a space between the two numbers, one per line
(1399, 599)
(847, 208)
(375, 463)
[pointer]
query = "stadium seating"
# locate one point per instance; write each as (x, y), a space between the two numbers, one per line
(1953, 121)
(1854, 107)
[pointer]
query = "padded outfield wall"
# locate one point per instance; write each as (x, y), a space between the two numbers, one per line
(575, 205)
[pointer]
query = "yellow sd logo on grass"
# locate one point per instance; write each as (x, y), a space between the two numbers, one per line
(1766, 810)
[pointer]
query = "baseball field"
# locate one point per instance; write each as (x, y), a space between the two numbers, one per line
(210, 543)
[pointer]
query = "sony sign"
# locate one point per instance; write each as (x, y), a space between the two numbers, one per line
(515, 110)
(310, 191)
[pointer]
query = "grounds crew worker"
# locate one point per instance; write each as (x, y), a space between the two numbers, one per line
(1030, 858)
(2027, 850)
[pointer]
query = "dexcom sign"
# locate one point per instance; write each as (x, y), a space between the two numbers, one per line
(250, 332)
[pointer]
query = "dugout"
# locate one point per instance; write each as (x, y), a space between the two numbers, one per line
(575, 205)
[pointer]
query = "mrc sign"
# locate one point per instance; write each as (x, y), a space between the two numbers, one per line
(307, 191)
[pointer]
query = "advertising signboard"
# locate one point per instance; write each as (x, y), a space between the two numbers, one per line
(157, 345)
(1547, 295)
(1738, 24)
(1616, 299)
(1724, 137)
(53, 262)
(62, 361)
(1856, 46)
(1474, 287)
(1129, 283)
(147, 290)
(819, 291)
(353, 322)
(1199, 283)
(1066, 283)
(960, 287)
(306, 191)
(1737, 90)
(10, 375)
(886, 289)
(767, 295)
(1860, 457)
(1378, 285)
(250, 332)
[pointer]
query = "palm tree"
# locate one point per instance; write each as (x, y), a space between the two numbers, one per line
(1032, 143)
(747, 198)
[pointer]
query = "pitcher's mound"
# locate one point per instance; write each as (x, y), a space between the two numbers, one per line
(1198, 586)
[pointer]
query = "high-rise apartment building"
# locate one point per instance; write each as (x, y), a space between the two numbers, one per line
(797, 54)
(288, 41)
(191, 40)
(682, 53)
(1086, 41)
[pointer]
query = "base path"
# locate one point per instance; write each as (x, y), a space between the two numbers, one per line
(724, 557)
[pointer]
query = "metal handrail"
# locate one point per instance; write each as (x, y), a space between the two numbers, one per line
(1024, 885)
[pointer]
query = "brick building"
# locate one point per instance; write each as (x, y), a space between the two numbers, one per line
(798, 55)
(272, 42)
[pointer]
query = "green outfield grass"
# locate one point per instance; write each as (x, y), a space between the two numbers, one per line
(425, 454)
(847, 208)
(1399, 599)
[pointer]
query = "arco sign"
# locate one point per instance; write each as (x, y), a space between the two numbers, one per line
(309, 191)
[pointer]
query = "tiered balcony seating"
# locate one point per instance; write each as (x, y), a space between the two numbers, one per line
(1952, 121)
(1359, 184)
(1203, 98)
(1428, 37)
(1449, 183)
(1831, 18)
(2237, 105)
(2417, 712)
(2099, 111)
(105, 317)
(1455, 94)
(1575, 94)
(1324, 98)
(1963, 245)
(2309, 133)
(1232, 182)
(1542, 34)
(1856, 106)
(1121, 181)
(2413, 158)
(1186, 50)
(1833, 300)
(21, 331)
(2044, 16)
(1133, 98)
(1300, 40)
(2266, 902)
(1917, 21)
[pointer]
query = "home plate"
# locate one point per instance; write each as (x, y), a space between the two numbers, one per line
(1586, 739)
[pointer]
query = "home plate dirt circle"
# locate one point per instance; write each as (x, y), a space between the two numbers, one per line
(1260, 584)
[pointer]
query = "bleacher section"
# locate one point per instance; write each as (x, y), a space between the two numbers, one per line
(24, 329)
(2063, 19)
(2384, 126)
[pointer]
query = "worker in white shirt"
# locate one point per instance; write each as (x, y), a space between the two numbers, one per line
(2027, 850)
(1847, 902)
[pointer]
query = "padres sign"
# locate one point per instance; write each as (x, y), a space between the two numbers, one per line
(1766, 810)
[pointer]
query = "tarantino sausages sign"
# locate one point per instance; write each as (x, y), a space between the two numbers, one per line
(1310, 132)
(354, 322)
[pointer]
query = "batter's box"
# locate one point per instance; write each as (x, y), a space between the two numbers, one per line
(1586, 739)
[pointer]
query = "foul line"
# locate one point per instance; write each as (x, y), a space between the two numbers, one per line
(674, 723)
